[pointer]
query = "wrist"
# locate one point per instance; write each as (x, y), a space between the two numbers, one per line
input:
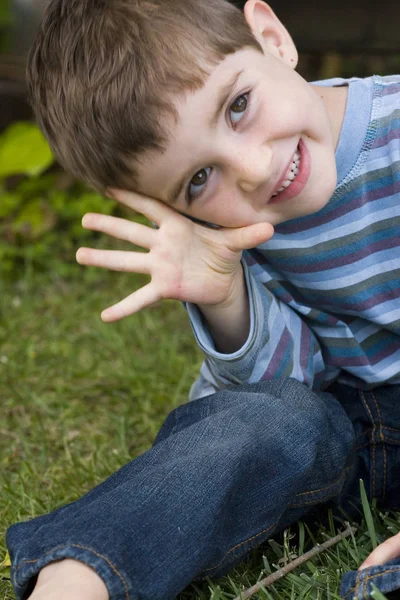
(229, 321)
(236, 293)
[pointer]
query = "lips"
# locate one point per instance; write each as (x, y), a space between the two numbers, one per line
(284, 190)
(291, 173)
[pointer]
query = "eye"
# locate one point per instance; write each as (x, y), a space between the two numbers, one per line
(238, 108)
(197, 184)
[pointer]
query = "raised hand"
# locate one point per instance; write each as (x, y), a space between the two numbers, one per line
(186, 261)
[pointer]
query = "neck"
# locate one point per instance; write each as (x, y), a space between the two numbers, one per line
(335, 100)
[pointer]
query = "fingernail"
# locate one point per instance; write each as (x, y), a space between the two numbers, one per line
(363, 566)
(105, 316)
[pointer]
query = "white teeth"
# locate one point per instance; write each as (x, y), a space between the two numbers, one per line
(291, 173)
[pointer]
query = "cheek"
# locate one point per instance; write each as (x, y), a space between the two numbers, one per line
(291, 107)
(227, 211)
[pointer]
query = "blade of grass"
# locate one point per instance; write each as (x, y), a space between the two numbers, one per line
(368, 515)
(301, 537)
(291, 566)
(376, 594)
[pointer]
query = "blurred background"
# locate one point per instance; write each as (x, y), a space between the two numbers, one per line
(354, 37)
(79, 398)
(38, 202)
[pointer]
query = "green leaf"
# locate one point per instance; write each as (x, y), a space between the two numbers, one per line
(5, 574)
(376, 594)
(9, 202)
(37, 185)
(276, 548)
(34, 219)
(6, 16)
(368, 515)
(5, 567)
(24, 150)
(6, 562)
(301, 537)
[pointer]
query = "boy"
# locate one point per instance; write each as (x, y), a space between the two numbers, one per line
(201, 114)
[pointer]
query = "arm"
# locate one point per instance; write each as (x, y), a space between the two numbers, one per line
(245, 332)
(229, 323)
(279, 344)
(186, 261)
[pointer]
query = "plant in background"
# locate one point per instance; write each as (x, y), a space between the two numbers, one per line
(6, 21)
(41, 207)
(5, 13)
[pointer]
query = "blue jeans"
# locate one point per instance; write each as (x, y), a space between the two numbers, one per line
(225, 473)
(359, 584)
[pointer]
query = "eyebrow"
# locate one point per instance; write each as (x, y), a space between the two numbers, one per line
(223, 94)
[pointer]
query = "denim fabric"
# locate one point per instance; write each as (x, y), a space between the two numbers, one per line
(375, 416)
(376, 419)
(358, 585)
(225, 473)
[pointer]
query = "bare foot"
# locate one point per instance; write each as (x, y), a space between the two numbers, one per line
(69, 580)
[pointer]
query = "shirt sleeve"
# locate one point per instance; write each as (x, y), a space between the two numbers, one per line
(280, 344)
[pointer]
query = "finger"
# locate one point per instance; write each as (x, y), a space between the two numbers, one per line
(251, 236)
(149, 207)
(130, 262)
(121, 229)
(383, 553)
(145, 296)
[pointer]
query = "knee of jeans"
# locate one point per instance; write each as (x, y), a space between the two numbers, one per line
(308, 426)
(292, 401)
(281, 419)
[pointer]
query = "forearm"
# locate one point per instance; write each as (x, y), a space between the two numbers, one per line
(229, 323)
(279, 343)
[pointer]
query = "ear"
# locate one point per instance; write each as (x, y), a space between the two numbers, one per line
(269, 31)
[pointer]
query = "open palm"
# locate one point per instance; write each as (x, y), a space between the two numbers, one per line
(185, 260)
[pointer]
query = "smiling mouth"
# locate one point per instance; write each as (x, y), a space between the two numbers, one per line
(291, 173)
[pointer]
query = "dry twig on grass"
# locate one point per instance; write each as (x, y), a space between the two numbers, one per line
(295, 563)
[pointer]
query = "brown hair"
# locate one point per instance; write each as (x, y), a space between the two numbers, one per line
(101, 75)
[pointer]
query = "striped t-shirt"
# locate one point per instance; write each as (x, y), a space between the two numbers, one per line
(325, 290)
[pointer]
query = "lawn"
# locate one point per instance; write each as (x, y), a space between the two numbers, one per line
(80, 398)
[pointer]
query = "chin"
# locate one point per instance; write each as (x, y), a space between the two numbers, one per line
(321, 196)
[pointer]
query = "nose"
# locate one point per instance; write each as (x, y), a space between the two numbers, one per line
(253, 168)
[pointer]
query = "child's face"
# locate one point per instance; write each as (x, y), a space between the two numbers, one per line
(232, 171)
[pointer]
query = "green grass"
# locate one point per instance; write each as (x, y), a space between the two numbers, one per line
(80, 398)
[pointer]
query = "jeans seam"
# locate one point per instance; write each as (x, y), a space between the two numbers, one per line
(315, 501)
(368, 577)
(217, 566)
(382, 437)
(391, 429)
(373, 443)
(321, 490)
(394, 440)
(113, 567)
(353, 589)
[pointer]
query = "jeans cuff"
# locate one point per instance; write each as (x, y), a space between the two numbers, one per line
(23, 572)
(359, 584)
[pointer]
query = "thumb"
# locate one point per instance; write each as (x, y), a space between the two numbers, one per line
(383, 553)
(248, 237)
